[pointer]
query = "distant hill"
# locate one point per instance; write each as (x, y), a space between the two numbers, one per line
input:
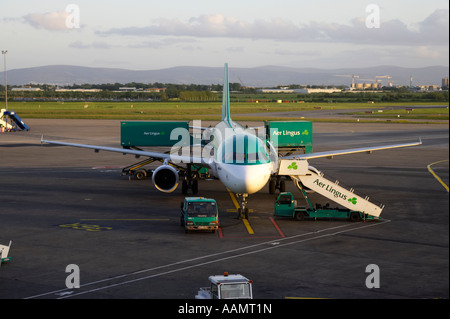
(267, 76)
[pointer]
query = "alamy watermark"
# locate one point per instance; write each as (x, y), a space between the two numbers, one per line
(373, 17)
(373, 279)
(73, 280)
(73, 18)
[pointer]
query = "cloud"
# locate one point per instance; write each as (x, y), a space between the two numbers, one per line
(50, 20)
(93, 45)
(431, 31)
(158, 44)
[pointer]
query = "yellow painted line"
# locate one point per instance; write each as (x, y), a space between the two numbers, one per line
(233, 210)
(435, 175)
(236, 204)
(247, 225)
(233, 198)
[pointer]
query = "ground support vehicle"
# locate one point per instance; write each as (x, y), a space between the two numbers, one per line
(4, 251)
(10, 122)
(199, 213)
(286, 206)
(227, 287)
(288, 138)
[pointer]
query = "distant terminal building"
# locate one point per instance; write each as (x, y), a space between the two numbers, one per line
(300, 91)
(79, 90)
(156, 90)
(275, 91)
(127, 89)
(310, 91)
(25, 89)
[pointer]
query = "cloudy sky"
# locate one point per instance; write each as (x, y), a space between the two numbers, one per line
(145, 35)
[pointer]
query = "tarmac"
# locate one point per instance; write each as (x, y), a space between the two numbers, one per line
(65, 206)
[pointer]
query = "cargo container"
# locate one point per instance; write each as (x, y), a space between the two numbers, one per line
(290, 135)
(147, 133)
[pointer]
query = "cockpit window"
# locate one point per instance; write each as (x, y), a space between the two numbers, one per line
(244, 150)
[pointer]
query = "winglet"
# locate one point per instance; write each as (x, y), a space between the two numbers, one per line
(226, 96)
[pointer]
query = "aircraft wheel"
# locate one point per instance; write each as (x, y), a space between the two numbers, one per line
(140, 175)
(272, 186)
(282, 186)
(184, 187)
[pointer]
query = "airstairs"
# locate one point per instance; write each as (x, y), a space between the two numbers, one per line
(10, 121)
(300, 171)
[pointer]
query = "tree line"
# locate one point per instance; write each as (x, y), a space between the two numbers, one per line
(203, 93)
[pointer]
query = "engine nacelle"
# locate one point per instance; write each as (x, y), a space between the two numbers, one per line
(165, 178)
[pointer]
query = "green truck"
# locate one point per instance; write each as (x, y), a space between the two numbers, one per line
(286, 206)
(199, 213)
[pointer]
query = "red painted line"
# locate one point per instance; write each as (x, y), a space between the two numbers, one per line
(219, 229)
(276, 226)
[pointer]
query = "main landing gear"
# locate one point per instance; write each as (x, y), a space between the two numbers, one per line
(276, 183)
(190, 181)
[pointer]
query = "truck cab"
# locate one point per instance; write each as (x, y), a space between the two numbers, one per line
(286, 206)
(199, 213)
(227, 287)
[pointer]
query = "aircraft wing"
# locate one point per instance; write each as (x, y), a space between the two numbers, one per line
(331, 154)
(164, 156)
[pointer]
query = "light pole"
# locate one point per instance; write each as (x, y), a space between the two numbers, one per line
(4, 52)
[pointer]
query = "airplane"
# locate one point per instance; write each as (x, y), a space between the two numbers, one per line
(241, 159)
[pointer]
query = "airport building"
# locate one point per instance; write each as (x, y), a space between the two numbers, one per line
(300, 91)
(25, 89)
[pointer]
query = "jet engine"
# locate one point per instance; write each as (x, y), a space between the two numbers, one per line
(165, 178)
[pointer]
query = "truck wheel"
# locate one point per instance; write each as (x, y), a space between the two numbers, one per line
(272, 186)
(299, 216)
(355, 217)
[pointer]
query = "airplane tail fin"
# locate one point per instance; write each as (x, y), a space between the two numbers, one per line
(226, 96)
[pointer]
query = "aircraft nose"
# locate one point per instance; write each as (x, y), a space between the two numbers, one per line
(247, 179)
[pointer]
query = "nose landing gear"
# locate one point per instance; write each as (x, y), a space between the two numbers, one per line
(243, 209)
